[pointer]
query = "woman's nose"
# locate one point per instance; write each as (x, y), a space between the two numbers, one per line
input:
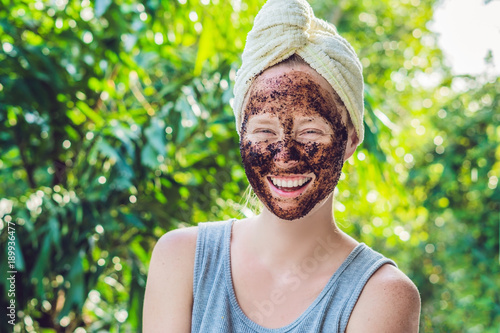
(287, 154)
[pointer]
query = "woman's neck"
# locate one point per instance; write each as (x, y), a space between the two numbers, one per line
(279, 242)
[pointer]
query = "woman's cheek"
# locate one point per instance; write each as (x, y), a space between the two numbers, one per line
(254, 157)
(319, 155)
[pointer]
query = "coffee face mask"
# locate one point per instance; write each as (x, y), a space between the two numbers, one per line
(292, 143)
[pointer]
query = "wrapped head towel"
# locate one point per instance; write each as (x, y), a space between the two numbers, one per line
(286, 27)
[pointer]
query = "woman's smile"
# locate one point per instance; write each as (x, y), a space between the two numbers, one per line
(289, 186)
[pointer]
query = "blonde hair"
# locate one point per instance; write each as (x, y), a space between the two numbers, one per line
(250, 203)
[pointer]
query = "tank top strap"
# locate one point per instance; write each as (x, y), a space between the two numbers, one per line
(365, 262)
(210, 251)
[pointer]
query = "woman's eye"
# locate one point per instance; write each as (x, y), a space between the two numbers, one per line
(312, 131)
(264, 131)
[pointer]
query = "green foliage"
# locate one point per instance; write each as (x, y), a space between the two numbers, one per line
(116, 126)
(457, 184)
(111, 135)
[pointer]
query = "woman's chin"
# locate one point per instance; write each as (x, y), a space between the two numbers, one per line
(295, 211)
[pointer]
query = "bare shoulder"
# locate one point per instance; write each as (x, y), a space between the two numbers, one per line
(169, 289)
(180, 241)
(174, 253)
(390, 303)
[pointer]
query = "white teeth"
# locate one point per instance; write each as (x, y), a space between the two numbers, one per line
(290, 183)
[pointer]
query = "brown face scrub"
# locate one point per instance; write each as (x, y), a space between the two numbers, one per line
(289, 96)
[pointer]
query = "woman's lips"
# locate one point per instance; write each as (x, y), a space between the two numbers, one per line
(292, 180)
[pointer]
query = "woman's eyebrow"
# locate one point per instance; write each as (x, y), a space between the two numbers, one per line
(264, 120)
(302, 120)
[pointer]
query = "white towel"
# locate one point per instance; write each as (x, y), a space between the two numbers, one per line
(286, 27)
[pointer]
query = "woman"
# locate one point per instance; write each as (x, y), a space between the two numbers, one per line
(299, 108)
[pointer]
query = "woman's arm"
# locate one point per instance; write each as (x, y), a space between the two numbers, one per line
(169, 290)
(389, 303)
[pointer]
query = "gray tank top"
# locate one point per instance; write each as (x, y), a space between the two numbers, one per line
(215, 308)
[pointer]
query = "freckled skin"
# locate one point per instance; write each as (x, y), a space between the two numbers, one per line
(286, 96)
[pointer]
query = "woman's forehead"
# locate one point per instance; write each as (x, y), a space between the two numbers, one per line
(297, 86)
(290, 74)
(291, 91)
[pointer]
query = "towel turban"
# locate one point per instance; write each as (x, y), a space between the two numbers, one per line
(286, 27)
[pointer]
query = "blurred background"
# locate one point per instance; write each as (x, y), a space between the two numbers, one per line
(116, 126)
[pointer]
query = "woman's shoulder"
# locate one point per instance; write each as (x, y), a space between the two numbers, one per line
(175, 252)
(181, 242)
(169, 291)
(389, 302)
(178, 240)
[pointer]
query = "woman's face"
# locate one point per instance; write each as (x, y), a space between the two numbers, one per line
(293, 139)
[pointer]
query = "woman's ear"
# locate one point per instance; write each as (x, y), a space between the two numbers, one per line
(352, 143)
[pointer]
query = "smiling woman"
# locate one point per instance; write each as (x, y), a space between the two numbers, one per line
(299, 109)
